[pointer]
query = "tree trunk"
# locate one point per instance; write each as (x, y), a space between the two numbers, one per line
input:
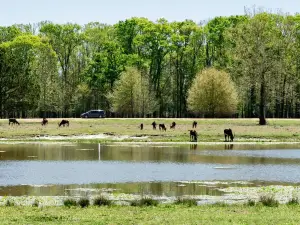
(262, 104)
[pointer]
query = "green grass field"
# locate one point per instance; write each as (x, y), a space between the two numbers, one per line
(163, 214)
(209, 130)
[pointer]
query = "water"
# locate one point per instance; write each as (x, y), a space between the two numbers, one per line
(171, 170)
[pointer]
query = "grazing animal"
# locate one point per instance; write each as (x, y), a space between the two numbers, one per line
(63, 123)
(13, 121)
(173, 125)
(44, 122)
(162, 127)
(141, 126)
(193, 135)
(228, 134)
(153, 125)
(195, 124)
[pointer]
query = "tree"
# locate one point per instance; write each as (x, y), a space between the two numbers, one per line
(257, 56)
(131, 95)
(212, 93)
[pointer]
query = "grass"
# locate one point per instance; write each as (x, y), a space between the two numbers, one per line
(209, 130)
(162, 214)
(186, 201)
(83, 202)
(145, 201)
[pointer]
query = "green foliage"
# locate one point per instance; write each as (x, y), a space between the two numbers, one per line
(251, 202)
(9, 203)
(70, 202)
(212, 93)
(293, 201)
(102, 201)
(83, 202)
(35, 203)
(268, 200)
(145, 201)
(186, 201)
(131, 94)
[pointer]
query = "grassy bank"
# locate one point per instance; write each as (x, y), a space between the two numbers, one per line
(164, 214)
(210, 130)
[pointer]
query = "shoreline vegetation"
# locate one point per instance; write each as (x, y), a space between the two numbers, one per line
(161, 214)
(210, 131)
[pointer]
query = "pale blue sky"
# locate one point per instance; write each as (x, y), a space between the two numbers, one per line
(111, 11)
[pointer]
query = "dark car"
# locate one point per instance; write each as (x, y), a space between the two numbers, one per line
(93, 114)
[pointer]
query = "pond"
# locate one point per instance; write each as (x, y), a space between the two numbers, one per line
(60, 169)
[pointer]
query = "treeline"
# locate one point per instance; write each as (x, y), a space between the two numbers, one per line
(62, 70)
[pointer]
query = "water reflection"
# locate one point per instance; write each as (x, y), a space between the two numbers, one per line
(59, 169)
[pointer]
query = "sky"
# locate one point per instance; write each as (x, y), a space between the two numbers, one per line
(112, 11)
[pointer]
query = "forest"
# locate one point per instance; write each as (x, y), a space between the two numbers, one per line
(141, 68)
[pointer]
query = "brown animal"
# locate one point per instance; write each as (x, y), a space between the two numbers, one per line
(193, 135)
(141, 126)
(195, 124)
(44, 122)
(228, 134)
(154, 125)
(63, 123)
(162, 127)
(13, 121)
(173, 125)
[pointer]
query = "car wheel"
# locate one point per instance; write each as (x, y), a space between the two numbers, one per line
(85, 116)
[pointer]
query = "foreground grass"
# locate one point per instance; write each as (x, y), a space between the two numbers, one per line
(210, 130)
(164, 214)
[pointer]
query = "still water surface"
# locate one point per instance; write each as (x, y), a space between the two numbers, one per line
(59, 169)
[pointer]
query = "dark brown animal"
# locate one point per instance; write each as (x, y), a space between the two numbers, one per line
(195, 124)
(173, 125)
(141, 126)
(193, 135)
(13, 121)
(228, 134)
(44, 122)
(162, 127)
(154, 125)
(63, 123)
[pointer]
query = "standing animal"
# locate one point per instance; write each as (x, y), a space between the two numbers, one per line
(44, 122)
(63, 123)
(195, 124)
(13, 121)
(162, 127)
(228, 134)
(193, 135)
(173, 125)
(153, 125)
(141, 126)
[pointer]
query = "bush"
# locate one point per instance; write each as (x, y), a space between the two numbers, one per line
(144, 202)
(251, 202)
(269, 201)
(293, 201)
(100, 201)
(84, 202)
(9, 203)
(186, 201)
(36, 203)
(69, 202)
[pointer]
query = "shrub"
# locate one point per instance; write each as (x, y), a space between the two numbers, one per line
(269, 201)
(9, 203)
(69, 202)
(36, 203)
(251, 202)
(186, 201)
(293, 201)
(144, 202)
(220, 204)
(100, 201)
(84, 202)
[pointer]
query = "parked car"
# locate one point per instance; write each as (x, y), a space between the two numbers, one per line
(93, 114)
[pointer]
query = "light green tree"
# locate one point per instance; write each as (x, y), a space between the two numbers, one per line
(131, 95)
(212, 93)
